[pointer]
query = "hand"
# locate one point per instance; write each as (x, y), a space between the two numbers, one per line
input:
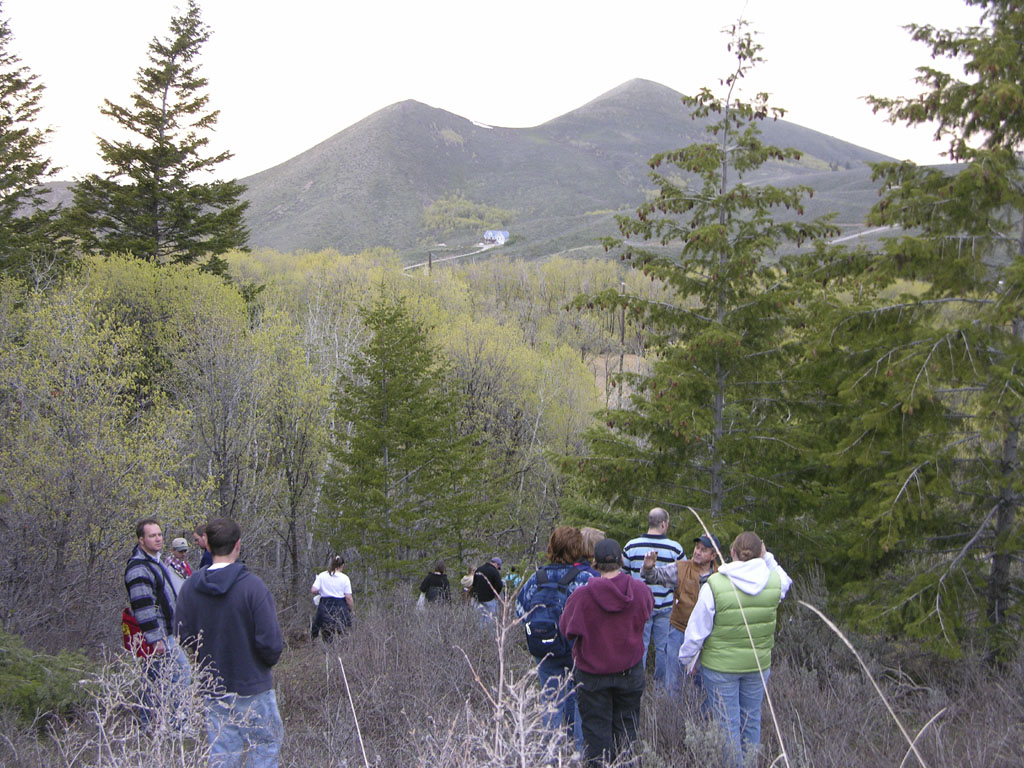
(159, 649)
(764, 549)
(650, 559)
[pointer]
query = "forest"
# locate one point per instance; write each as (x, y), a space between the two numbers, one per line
(860, 409)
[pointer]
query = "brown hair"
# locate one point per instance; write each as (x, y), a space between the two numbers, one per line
(590, 537)
(336, 563)
(222, 534)
(439, 566)
(140, 527)
(565, 545)
(747, 546)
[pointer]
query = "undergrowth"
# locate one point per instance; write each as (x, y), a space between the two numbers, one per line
(435, 688)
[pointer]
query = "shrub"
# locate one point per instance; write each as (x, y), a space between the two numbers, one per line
(37, 685)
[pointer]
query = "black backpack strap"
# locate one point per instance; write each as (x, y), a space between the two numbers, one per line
(570, 577)
(542, 577)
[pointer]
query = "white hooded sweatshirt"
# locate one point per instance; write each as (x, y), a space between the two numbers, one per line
(750, 576)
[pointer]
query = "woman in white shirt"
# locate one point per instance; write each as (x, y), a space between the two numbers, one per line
(334, 612)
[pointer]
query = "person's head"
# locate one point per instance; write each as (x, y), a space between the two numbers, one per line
(565, 545)
(607, 556)
(746, 546)
(222, 535)
(336, 562)
(151, 538)
(496, 562)
(706, 549)
(439, 567)
(657, 521)
(590, 538)
(179, 548)
(199, 536)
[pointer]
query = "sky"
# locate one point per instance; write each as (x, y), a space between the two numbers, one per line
(289, 75)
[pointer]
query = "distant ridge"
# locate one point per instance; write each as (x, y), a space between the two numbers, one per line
(370, 184)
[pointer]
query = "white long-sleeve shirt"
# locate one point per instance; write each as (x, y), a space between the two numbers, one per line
(750, 576)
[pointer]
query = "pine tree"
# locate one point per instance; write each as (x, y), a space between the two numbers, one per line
(931, 348)
(153, 202)
(25, 227)
(712, 425)
(405, 485)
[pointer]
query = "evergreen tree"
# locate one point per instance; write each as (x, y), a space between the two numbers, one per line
(713, 424)
(405, 485)
(25, 228)
(931, 349)
(154, 202)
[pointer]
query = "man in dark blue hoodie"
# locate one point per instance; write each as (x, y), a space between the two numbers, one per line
(227, 615)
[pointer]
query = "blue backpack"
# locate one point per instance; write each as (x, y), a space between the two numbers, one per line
(543, 612)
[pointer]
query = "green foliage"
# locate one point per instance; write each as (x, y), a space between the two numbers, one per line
(455, 213)
(718, 422)
(34, 684)
(405, 485)
(153, 203)
(26, 229)
(928, 380)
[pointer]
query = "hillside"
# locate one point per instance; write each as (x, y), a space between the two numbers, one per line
(369, 184)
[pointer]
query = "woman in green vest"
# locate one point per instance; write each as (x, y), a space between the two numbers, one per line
(732, 631)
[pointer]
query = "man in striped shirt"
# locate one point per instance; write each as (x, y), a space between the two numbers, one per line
(669, 551)
(152, 596)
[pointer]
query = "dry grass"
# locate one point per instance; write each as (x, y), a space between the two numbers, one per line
(432, 688)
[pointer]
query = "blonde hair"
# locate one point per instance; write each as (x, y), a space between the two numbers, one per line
(747, 546)
(590, 538)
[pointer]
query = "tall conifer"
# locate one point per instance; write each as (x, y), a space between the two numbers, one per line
(405, 485)
(25, 227)
(930, 348)
(155, 201)
(711, 424)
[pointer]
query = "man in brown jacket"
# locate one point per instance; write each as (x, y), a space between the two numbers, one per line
(687, 577)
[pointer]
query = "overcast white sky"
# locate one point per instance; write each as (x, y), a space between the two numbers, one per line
(287, 75)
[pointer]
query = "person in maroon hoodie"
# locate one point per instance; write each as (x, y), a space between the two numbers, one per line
(605, 619)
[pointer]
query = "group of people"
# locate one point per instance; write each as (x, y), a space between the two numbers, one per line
(226, 617)
(589, 615)
(711, 622)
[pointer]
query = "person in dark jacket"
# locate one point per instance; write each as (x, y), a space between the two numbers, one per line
(226, 614)
(435, 587)
(486, 589)
(605, 620)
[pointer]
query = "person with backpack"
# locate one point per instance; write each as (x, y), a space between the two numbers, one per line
(435, 587)
(539, 607)
(486, 590)
(151, 597)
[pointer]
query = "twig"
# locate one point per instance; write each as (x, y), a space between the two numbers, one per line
(920, 732)
(888, 706)
(355, 717)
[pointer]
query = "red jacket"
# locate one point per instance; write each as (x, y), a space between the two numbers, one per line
(606, 619)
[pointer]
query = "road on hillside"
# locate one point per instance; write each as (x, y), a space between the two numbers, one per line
(483, 247)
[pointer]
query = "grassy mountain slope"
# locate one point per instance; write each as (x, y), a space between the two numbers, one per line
(369, 184)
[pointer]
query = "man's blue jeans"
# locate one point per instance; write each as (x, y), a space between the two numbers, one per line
(735, 699)
(244, 730)
(674, 672)
(557, 686)
(165, 687)
(658, 626)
